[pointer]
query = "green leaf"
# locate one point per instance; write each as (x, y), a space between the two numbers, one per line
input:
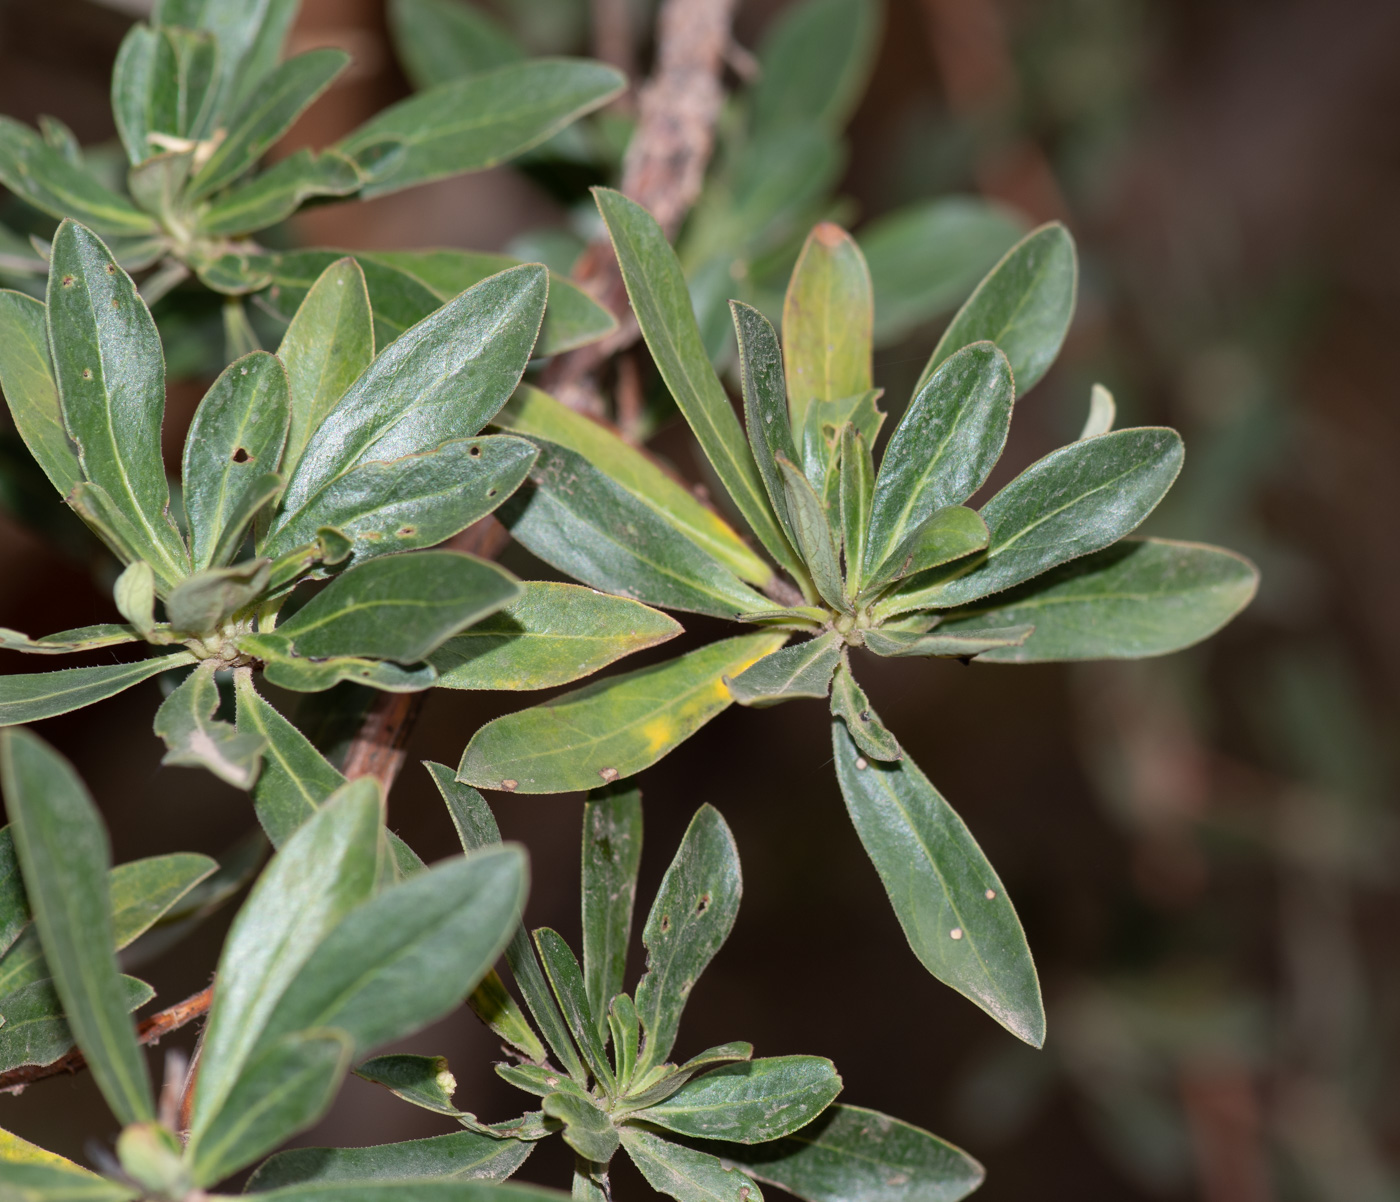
(144, 891)
(851, 1154)
(38, 695)
(566, 980)
(941, 453)
(327, 347)
(64, 854)
(765, 405)
(539, 1079)
(626, 1030)
(424, 1081)
(926, 257)
(612, 851)
(416, 501)
(803, 670)
(235, 439)
(577, 519)
(164, 82)
(661, 301)
(134, 594)
(815, 59)
(857, 495)
(319, 875)
(400, 607)
(1102, 412)
(1079, 499)
(111, 381)
(751, 1102)
(283, 1091)
(14, 905)
(476, 122)
(827, 321)
(686, 1174)
(665, 1079)
(538, 415)
(413, 1191)
(441, 381)
(35, 1030)
(286, 669)
(278, 192)
(690, 919)
(476, 828)
(492, 1002)
(962, 644)
(947, 897)
(158, 184)
(133, 81)
(549, 635)
(821, 436)
(587, 1130)
(65, 642)
(460, 1156)
(40, 175)
(571, 319)
(814, 535)
(267, 114)
(1024, 305)
(202, 602)
(1138, 598)
(849, 703)
(941, 537)
(441, 40)
(26, 375)
(185, 721)
(29, 1172)
(612, 729)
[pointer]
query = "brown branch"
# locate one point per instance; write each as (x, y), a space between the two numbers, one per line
(148, 1031)
(663, 171)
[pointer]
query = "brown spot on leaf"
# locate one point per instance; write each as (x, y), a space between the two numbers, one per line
(509, 785)
(829, 234)
(608, 774)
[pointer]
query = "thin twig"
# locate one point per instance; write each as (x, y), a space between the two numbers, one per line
(148, 1031)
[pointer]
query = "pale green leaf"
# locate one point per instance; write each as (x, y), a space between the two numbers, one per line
(38, 695)
(686, 1174)
(26, 375)
(802, 670)
(751, 1102)
(460, 1156)
(185, 721)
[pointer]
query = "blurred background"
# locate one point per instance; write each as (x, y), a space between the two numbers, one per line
(1202, 848)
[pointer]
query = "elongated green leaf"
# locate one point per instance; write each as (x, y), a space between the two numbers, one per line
(236, 437)
(144, 891)
(441, 381)
(326, 348)
(686, 1174)
(414, 1191)
(947, 443)
(416, 501)
(283, 1091)
(626, 1030)
(492, 1002)
(425, 1081)
(822, 432)
(26, 375)
(857, 496)
(279, 191)
(257, 496)
(400, 607)
(549, 635)
(65, 642)
(58, 1180)
(14, 905)
(185, 721)
(267, 115)
(111, 381)
(814, 535)
(477, 122)
(947, 897)
(540, 1080)
(751, 1102)
(538, 415)
(962, 644)
(661, 301)
(765, 405)
(409, 955)
(37, 173)
(64, 854)
(1024, 305)
(476, 828)
(460, 1156)
(849, 703)
(668, 1078)
(609, 730)
(928, 256)
(39, 695)
(441, 40)
(1102, 411)
(586, 1128)
(943, 536)
(851, 1154)
(1138, 598)
(133, 80)
(181, 90)
(803, 670)
(323, 871)
(566, 980)
(577, 519)
(572, 318)
(201, 603)
(689, 921)
(287, 669)
(135, 596)
(827, 321)
(612, 851)
(1076, 500)
(815, 60)
(35, 1030)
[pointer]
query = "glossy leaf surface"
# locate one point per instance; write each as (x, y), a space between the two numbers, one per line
(612, 852)
(943, 536)
(37, 695)
(612, 729)
(26, 376)
(751, 1102)
(949, 900)
(802, 670)
(399, 301)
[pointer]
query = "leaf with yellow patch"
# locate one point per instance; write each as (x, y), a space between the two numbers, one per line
(612, 729)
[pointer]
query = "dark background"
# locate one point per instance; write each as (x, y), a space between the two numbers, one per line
(1201, 848)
